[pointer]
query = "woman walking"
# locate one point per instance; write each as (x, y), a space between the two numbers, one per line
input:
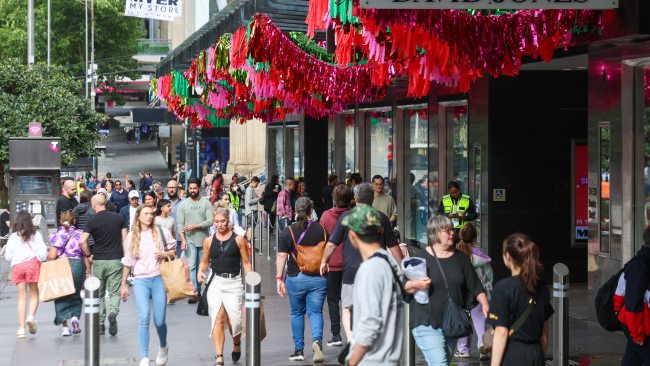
(66, 243)
(460, 284)
(304, 284)
(217, 187)
(225, 253)
(483, 268)
(25, 250)
(269, 197)
(146, 246)
(150, 200)
(520, 307)
(163, 216)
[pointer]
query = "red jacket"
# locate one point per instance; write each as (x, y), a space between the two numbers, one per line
(632, 296)
(329, 220)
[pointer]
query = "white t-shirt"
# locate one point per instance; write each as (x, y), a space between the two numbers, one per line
(131, 216)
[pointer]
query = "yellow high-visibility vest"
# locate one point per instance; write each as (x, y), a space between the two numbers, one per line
(461, 207)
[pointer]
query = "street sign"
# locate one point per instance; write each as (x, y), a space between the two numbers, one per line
(499, 195)
(489, 4)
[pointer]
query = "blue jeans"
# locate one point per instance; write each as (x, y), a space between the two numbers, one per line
(306, 295)
(179, 248)
(193, 255)
(150, 289)
(437, 349)
(282, 224)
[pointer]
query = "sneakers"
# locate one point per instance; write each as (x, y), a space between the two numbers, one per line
(319, 356)
(65, 332)
(31, 324)
(484, 354)
(459, 354)
(112, 324)
(144, 361)
(102, 329)
(161, 359)
(336, 341)
(74, 321)
(297, 356)
(20, 333)
(194, 299)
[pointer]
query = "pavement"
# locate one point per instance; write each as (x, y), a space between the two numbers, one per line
(188, 337)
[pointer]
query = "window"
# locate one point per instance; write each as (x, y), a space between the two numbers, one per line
(381, 142)
(351, 141)
(417, 208)
(604, 204)
(457, 143)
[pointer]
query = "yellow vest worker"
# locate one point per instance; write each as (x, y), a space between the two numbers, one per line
(457, 206)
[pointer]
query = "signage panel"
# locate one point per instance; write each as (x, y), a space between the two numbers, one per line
(35, 153)
(153, 9)
(489, 4)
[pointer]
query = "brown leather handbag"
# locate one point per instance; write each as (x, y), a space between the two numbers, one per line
(309, 257)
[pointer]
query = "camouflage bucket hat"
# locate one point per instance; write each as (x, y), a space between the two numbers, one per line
(363, 220)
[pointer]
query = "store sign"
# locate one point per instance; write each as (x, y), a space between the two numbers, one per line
(153, 9)
(581, 157)
(489, 4)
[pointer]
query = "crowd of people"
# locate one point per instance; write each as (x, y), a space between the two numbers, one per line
(349, 256)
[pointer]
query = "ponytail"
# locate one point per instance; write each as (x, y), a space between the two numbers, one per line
(304, 206)
(525, 255)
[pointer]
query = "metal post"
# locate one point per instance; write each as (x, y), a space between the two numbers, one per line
(30, 33)
(49, 31)
(250, 217)
(91, 311)
(92, 53)
(268, 234)
(561, 318)
(252, 301)
(408, 342)
(277, 232)
(86, 65)
(258, 219)
(185, 127)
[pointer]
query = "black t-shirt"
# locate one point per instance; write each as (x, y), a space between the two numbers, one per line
(106, 229)
(464, 287)
(327, 196)
(63, 204)
(315, 234)
(4, 229)
(509, 301)
(351, 257)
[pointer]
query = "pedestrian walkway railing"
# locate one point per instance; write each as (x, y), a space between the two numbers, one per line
(91, 315)
(561, 319)
(253, 301)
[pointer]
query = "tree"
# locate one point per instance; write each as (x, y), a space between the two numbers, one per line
(115, 35)
(51, 97)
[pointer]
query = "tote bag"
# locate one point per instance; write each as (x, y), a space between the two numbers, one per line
(455, 320)
(176, 276)
(55, 280)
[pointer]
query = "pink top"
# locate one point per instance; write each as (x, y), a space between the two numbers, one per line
(146, 265)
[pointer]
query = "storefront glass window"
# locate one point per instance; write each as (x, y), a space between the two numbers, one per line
(351, 141)
(457, 145)
(417, 212)
(645, 215)
(604, 137)
(477, 189)
(276, 151)
(381, 143)
(331, 148)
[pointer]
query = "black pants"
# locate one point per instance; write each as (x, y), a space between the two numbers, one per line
(523, 354)
(334, 284)
(636, 355)
(271, 218)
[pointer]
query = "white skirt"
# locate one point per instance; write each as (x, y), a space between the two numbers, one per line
(228, 292)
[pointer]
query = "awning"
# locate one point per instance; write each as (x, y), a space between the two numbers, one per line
(153, 115)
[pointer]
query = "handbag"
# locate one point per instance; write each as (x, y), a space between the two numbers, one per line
(308, 258)
(455, 320)
(488, 336)
(202, 307)
(176, 276)
(55, 280)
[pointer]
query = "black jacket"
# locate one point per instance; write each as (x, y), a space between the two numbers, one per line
(269, 196)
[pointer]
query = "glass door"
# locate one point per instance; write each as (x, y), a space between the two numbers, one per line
(418, 184)
(642, 131)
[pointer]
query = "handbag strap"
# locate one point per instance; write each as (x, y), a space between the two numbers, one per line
(398, 281)
(442, 272)
(522, 318)
(296, 242)
(207, 285)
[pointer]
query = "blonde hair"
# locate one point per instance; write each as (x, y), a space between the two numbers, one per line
(223, 212)
(135, 233)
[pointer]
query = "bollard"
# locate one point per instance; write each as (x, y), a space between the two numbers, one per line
(561, 320)
(408, 342)
(252, 302)
(258, 218)
(268, 235)
(91, 311)
(250, 217)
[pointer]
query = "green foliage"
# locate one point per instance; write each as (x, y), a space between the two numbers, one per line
(115, 35)
(51, 97)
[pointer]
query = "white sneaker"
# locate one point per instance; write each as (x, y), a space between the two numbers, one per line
(65, 332)
(144, 361)
(31, 324)
(161, 359)
(20, 333)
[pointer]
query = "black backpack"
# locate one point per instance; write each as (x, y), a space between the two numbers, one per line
(604, 302)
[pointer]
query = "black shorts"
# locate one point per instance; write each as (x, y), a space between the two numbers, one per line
(523, 354)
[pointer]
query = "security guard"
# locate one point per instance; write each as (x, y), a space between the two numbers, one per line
(458, 207)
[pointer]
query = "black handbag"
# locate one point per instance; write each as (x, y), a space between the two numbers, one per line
(202, 307)
(456, 321)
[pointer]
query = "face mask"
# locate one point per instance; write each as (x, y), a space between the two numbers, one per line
(233, 189)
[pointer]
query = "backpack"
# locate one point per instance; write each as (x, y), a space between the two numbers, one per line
(604, 302)
(308, 258)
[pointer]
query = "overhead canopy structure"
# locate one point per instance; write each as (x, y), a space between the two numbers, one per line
(288, 15)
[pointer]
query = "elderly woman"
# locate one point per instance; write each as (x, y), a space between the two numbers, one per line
(465, 289)
(225, 253)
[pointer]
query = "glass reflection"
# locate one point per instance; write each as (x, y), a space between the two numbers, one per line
(418, 192)
(604, 136)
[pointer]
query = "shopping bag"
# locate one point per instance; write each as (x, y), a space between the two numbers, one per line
(176, 276)
(55, 280)
(262, 322)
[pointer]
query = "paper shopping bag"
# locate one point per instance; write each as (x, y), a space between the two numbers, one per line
(55, 280)
(176, 276)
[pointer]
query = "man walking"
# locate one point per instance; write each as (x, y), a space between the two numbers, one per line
(119, 196)
(67, 200)
(128, 212)
(250, 205)
(172, 196)
(378, 322)
(194, 220)
(458, 207)
(332, 181)
(103, 258)
(383, 202)
(284, 205)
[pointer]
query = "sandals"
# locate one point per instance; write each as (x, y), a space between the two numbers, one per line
(236, 355)
(217, 362)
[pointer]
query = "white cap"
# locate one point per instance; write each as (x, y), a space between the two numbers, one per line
(133, 194)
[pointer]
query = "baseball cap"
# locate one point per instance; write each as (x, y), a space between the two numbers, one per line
(363, 220)
(102, 190)
(133, 194)
(159, 190)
